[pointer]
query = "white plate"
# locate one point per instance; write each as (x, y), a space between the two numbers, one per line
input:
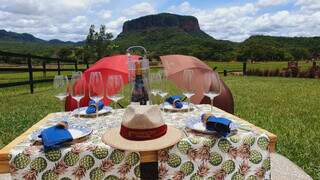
(76, 132)
(82, 111)
(169, 107)
(196, 124)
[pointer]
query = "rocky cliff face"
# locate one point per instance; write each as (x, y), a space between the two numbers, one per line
(187, 23)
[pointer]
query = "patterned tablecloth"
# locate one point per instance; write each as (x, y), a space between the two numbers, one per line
(240, 156)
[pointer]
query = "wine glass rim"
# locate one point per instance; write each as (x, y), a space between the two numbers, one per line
(60, 76)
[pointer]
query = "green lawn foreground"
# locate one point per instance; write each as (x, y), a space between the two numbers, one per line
(288, 107)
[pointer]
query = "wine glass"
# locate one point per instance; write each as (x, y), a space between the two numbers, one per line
(77, 88)
(154, 79)
(96, 89)
(189, 90)
(163, 92)
(115, 89)
(214, 89)
(60, 86)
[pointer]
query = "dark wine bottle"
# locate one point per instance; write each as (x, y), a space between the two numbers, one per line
(139, 92)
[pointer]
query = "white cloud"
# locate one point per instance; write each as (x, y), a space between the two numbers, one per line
(63, 19)
(184, 7)
(143, 8)
(116, 25)
(308, 5)
(70, 19)
(267, 3)
(237, 23)
(105, 14)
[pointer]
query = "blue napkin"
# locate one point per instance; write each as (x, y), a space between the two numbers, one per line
(54, 136)
(175, 101)
(92, 107)
(218, 124)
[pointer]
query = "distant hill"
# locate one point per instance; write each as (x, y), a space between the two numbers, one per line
(27, 43)
(13, 36)
(170, 34)
(25, 37)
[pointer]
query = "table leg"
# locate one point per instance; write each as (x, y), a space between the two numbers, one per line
(149, 171)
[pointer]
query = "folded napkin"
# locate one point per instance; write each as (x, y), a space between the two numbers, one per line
(54, 136)
(93, 106)
(218, 124)
(175, 101)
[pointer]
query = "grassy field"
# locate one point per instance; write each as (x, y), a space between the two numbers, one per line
(8, 77)
(288, 107)
(270, 65)
(230, 66)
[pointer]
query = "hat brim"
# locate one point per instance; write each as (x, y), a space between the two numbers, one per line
(113, 138)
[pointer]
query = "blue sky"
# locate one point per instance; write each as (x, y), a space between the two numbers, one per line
(233, 20)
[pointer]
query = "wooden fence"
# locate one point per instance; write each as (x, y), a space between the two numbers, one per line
(44, 61)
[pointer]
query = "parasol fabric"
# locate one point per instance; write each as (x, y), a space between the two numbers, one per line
(174, 66)
(111, 65)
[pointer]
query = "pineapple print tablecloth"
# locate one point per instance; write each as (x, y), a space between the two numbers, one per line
(91, 159)
(243, 156)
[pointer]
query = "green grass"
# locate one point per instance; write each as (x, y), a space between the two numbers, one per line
(9, 77)
(270, 65)
(288, 107)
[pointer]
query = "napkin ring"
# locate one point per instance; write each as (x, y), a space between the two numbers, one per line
(63, 124)
(205, 117)
(175, 101)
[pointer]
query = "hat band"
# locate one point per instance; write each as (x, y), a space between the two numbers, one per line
(143, 134)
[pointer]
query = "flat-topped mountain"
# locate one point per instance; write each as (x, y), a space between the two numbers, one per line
(186, 23)
(170, 34)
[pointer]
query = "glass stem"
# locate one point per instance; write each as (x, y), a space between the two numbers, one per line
(97, 109)
(211, 104)
(163, 104)
(78, 104)
(188, 104)
(62, 105)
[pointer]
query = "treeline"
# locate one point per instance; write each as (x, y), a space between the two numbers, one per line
(163, 41)
(269, 48)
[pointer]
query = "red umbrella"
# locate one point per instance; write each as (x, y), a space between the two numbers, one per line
(112, 65)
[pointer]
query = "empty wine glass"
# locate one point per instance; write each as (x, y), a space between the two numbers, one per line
(115, 89)
(77, 89)
(189, 88)
(154, 81)
(163, 92)
(61, 89)
(214, 89)
(96, 88)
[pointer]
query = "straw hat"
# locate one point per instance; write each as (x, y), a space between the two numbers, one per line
(142, 129)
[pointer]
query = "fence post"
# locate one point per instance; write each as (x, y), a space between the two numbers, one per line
(244, 69)
(76, 65)
(44, 70)
(30, 73)
(59, 67)
(225, 72)
(87, 62)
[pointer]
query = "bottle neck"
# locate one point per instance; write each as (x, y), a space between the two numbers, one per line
(138, 68)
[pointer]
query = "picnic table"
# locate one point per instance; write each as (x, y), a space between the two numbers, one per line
(245, 154)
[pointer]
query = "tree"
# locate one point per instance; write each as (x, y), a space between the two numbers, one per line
(65, 53)
(98, 44)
